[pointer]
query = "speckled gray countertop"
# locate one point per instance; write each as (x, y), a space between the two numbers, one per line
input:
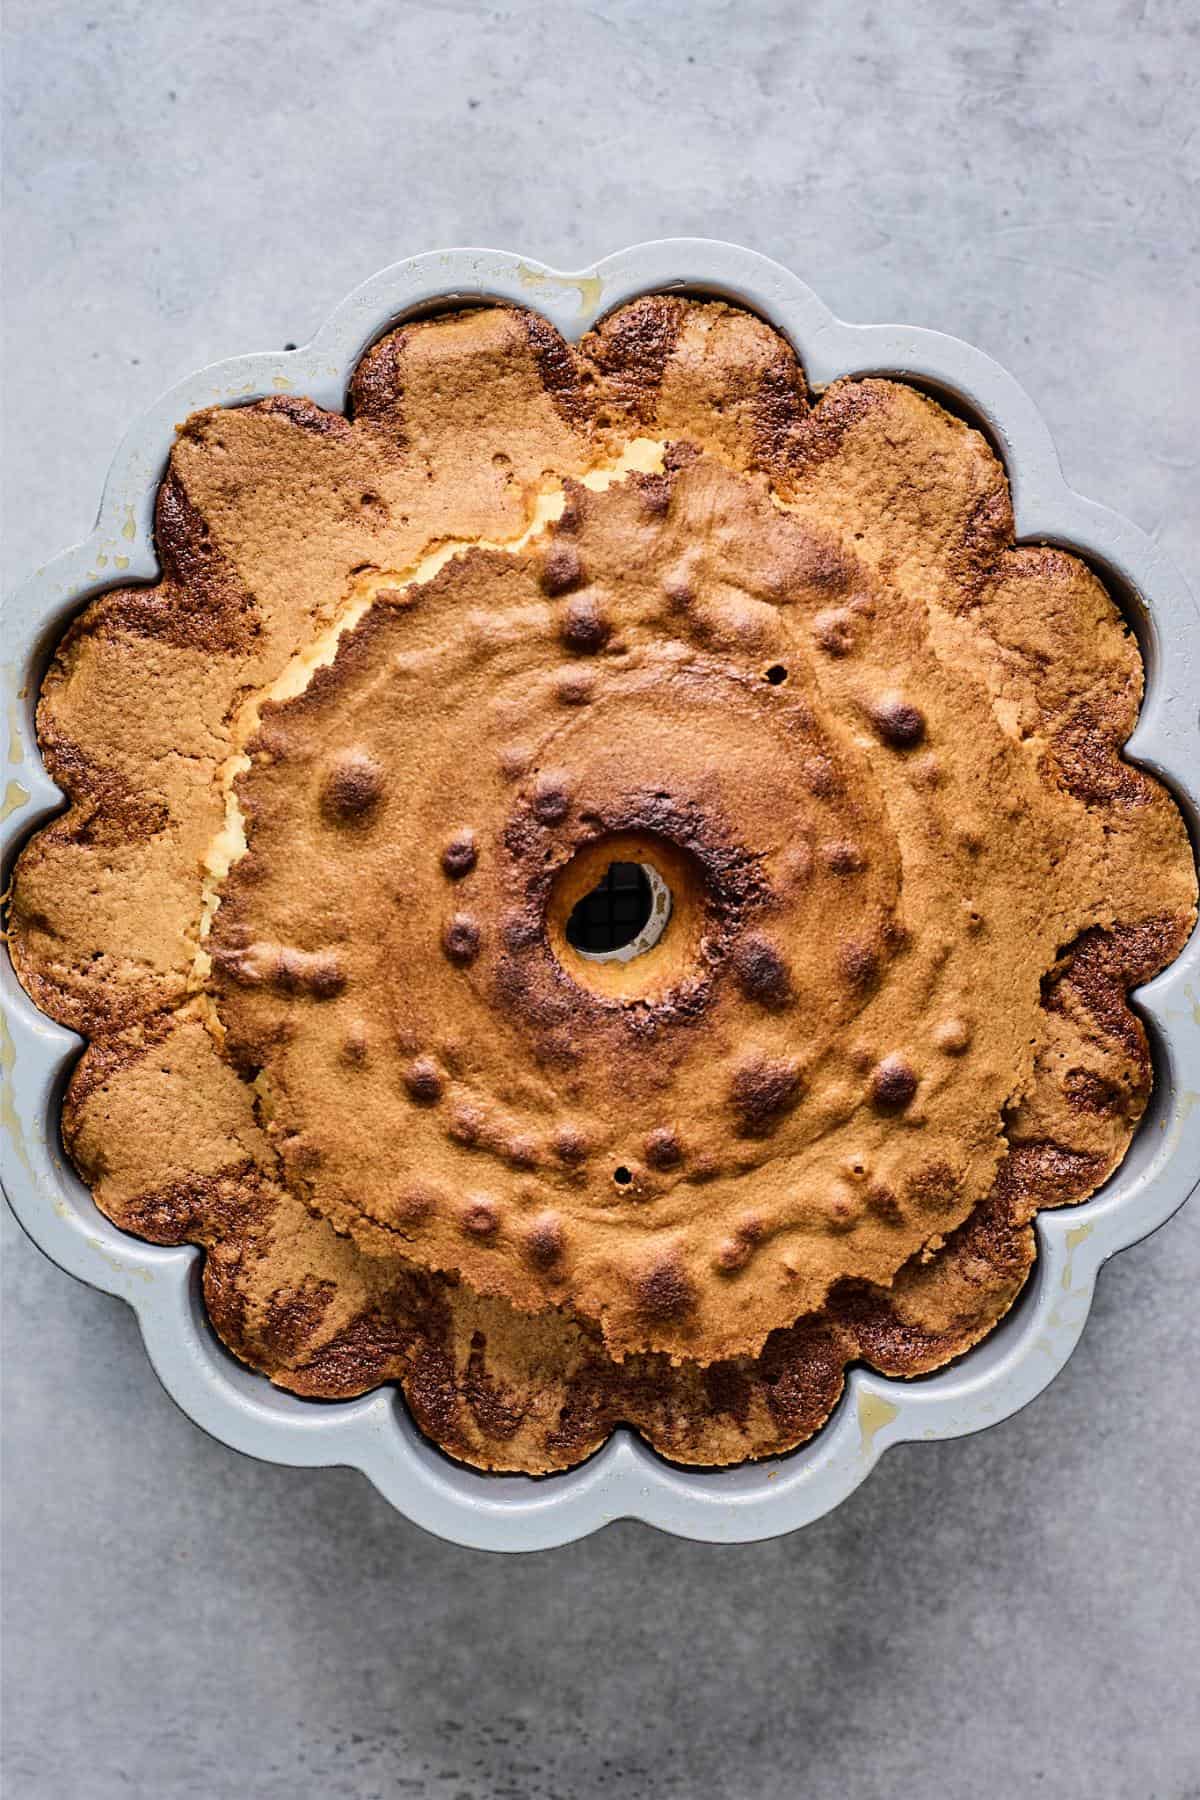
(1017, 1613)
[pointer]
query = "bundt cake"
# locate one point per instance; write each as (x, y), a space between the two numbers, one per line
(414, 684)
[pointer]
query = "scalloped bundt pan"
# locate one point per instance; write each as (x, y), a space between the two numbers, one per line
(625, 1478)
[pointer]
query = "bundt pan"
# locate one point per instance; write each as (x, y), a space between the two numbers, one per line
(625, 1479)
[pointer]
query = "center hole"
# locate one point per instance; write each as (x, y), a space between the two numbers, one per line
(623, 915)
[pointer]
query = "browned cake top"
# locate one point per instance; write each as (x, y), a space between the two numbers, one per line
(409, 683)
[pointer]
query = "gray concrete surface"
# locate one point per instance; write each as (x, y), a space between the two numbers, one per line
(1016, 1614)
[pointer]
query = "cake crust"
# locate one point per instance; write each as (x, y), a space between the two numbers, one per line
(405, 677)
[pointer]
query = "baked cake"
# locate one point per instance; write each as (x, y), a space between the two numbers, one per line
(411, 681)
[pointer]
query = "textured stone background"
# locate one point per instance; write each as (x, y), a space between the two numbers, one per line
(1014, 1614)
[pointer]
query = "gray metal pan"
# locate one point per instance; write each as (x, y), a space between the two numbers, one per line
(624, 1479)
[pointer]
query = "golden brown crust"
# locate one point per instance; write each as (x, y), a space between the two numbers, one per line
(836, 1138)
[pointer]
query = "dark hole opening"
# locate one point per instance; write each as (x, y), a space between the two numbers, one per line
(776, 674)
(615, 911)
(623, 1175)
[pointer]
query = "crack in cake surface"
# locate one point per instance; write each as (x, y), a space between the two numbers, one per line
(229, 844)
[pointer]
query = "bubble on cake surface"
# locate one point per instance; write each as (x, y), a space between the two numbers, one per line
(545, 1240)
(893, 1084)
(585, 626)
(352, 788)
(460, 854)
(897, 720)
(561, 569)
(663, 1148)
(423, 1080)
(763, 1090)
(461, 939)
(665, 1291)
(551, 801)
(762, 972)
(480, 1217)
